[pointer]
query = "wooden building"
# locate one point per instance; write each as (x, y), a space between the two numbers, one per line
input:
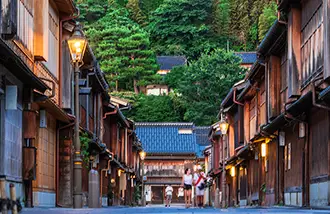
(170, 148)
(122, 141)
(166, 63)
(36, 130)
(284, 114)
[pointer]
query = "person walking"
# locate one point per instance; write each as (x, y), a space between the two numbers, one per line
(199, 182)
(187, 181)
(169, 192)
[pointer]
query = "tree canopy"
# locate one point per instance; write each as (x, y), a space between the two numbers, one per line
(126, 36)
(123, 49)
(204, 83)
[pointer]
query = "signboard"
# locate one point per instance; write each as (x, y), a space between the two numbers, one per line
(144, 178)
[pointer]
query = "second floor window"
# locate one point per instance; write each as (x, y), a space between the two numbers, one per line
(52, 63)
(25, 10)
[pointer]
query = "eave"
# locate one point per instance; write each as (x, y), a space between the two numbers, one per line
(228, 100)
(303, 104)
(66, 7)
(18, 68)
(274, 40)
(285, 4)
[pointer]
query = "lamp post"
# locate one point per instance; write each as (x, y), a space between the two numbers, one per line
(142, 156)
(223, 125)
(77, 45)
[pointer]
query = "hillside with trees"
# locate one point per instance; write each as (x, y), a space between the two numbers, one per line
(127, 35)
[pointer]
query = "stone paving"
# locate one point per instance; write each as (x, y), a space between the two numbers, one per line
(175, 209)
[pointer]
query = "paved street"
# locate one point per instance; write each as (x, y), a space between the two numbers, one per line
(172, 210)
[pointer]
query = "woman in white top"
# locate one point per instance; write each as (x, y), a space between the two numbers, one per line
(187, 181)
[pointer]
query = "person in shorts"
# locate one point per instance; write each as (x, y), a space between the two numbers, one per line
(199, 182)
(187, 181)
(169, 193)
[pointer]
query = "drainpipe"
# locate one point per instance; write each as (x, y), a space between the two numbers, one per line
(67, 18)
(110, 113)
(105, 173)
(87, 105)
(314, 96)
(57, 162)
(234, 98)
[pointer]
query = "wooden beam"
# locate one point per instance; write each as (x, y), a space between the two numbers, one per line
(294, 52)
(326, 31)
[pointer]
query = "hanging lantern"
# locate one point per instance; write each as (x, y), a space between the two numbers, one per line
(232, 171)
(263, 149)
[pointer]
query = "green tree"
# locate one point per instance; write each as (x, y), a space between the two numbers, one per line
(221, 17)
(181, 27)
(91, 11)
(155, 109)
(136, 13)
(149, 6)
(205, 83)
(123, 49)
(266, 19)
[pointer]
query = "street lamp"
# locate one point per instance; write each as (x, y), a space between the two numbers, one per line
(142, 157)
(77, 45)
(223, 125)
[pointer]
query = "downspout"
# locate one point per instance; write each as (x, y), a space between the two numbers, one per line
(57, 162)
(234, 98)
(314, 96)
(101, 183)
(87, 105)
(94, 116)
(67, 18)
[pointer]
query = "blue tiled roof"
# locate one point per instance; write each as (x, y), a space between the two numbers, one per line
(247, 57)
(202, 140)
(168, 62)
(165, 138)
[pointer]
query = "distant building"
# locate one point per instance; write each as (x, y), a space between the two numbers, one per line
(170, 148)
(202, 141)
(166, 63)
(248, 58)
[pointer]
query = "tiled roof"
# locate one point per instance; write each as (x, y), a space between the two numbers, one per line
(168, 62)
(165, 138)
(202, 135)
(247, 57)
(202, 140)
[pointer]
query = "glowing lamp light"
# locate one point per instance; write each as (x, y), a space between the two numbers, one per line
(112, 180)
(263, 149)
(223, 125)
(142, 155)
(119, 173)
(77, 45)
(232, 171)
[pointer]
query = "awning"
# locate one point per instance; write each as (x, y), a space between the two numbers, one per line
(243, 151)
(54, 110)
(303, 104)
(18, 68)
(121, 166)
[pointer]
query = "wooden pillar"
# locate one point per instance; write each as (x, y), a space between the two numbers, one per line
(326, 31)
(273, 87)
(294, 52)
